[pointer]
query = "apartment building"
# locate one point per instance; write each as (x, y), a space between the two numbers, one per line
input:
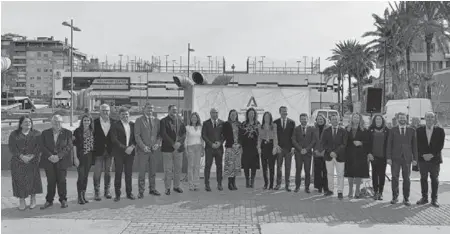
(33, 62)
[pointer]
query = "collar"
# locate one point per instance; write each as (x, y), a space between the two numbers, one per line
(432, 127)
(124, 123)
(107, 121)
(147, 117)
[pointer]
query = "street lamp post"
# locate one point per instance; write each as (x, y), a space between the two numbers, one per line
(209, 63)
(120, 62)
(146, 85)
(173, 66)
(189, 57)
(166, 60)
(298, 66)
(72, 28)
(232, 68)
(262, 64)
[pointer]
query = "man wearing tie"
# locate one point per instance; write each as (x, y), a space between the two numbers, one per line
(122, 138)
(213, 136)
(146, 132)
(302, 139)
(284, 135)
(56, 157)
(334, 142)
(430, 142)
(401, 152)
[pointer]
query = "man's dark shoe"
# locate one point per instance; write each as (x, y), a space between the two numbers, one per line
(207, 188)
(97, 196)
(319, 190)
(64, 204)
(380, 197)
(46, 205)
(296, 189)
(394, 201)
(83, 195)
(167, 192)
(219, 187)
(131, 196)
(154, 192)
(107, 194)
(406, 202)
(265, 186)
(178, 190)
(340, 196)
(307, 190)
(435, 203)
(287, 189)
(422, 201)
(328, 193)
(277, 187)
(140, 195)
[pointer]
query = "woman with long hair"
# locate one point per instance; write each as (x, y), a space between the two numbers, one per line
(83, 146)
(320, 170)
(356, 163)
(233, 149)
(378, 135)
(267, 143)
(250, 156)
(24, 146)
(194, 148)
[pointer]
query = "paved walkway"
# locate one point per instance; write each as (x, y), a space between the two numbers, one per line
(242, 211)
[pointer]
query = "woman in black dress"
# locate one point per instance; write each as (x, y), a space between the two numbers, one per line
(83, 145)
(24, 147)
(356, 161)
(249, 139)
(320, 170)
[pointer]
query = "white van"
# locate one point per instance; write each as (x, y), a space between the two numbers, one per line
(413, 107)
(325, 112)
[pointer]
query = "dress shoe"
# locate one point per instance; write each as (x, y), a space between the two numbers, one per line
(219, 187)
(265, 186)
(154, 192)
(328, 193)
(277, 187)
(394, 201)
(117, 198)
(319, 190)
(252, 183)
(375, 196)
(422, 201)
(287, 189)
(107, 194)
(307, 190)
(340, 196)
(64, 204)
(140, 195)
(435, 204)
(380, 197)
(167, 192)
(131, 196)
(46, 205)
(406, 202)
(178, 190)
(97, 196)
(296, 189)
(207, 188)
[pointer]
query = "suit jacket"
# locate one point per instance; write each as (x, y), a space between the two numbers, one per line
(300, 140)
(335, 143)
(146, 133)
(62, 148)
(285, 135)
(119, 138)
(102, 142)
(211, 135)
(399, 147)
(434, 147)
(172, 131)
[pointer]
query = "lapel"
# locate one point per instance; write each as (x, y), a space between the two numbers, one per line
(100, 124)
(58, 140)
(145, 121)
(52, 141)
(122, 129)
(431, 137)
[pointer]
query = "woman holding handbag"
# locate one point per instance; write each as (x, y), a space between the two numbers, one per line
(83, 145)
(268, 147)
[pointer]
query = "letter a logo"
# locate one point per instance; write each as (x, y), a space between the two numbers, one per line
(252, 102)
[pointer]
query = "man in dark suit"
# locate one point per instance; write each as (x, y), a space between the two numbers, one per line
(430, 142)
(334, 142)
(401, 152)
(102, 152)
(146, 130)
(56, 148)
(122, 138)
(213, 136)
(284, 134)
(173, 134)
(303, 141)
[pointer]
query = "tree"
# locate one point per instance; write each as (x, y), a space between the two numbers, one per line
(439, 88)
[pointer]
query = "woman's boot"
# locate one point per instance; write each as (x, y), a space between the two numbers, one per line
(230, 183)
(247, 178)
(83, 195)
(80, 198)
(252, 182)
(234, 183)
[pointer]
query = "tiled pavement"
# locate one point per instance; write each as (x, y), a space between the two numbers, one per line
(242, 211)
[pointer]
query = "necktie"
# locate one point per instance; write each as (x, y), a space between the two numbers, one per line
(304, 131)
(150, 123)
(214, 124)
(334, 132)
(403, 131)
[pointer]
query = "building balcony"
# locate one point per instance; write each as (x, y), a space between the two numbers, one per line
(19, 64)
(447, 56)
(19, 57)
(19, 88)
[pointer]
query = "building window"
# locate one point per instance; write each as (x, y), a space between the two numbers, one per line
(38, 70)
(31, 92)
(38, 78)
(45, 55)
(447, 64)
(31, 78)
(39, 92)
(45, 70)
(39, 54)
(32, 85)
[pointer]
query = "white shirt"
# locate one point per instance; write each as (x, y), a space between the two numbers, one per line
(55, 136)
(126, 126)
(106, 125)
(194, 137)
(402, 128)
(283, 123)
(429, 133)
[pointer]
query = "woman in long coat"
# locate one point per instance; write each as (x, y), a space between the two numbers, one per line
(356, 161)
(24, 147)
(249, 140)
(233, 149)
(320, 170)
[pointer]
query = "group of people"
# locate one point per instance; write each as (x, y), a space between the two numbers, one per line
(247, 144)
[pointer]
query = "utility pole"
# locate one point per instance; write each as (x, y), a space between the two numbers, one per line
(120, 62)
(166, 60)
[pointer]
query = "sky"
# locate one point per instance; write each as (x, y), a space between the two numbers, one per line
(280, 31)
